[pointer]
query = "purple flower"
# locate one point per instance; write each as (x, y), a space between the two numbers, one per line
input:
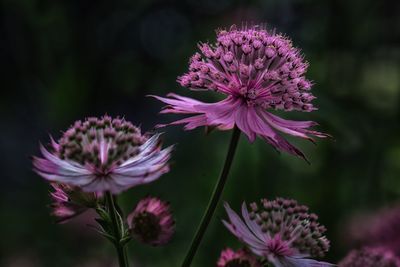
(68, 202)
(280, 231)
(257, 71)
(370, 257)
(380, 228)
(103, 154)
(151, 222)
(239, 258)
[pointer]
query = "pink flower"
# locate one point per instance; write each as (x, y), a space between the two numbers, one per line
(151, 222)
(239, 258)
(68, 202)
(258, 71)
(104, 154)
(280, 231)
(370, 257)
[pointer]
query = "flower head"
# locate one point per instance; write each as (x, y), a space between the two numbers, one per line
(281, 231)
(68, 202)
(239, 258)
(103, 154)
(151, 222)
(258, 71)
(370, 257)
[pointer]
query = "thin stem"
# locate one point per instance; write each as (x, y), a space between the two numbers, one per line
(122, 258)
(212, 204)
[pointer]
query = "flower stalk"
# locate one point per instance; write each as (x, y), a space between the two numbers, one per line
(216, 195)
(118, 234)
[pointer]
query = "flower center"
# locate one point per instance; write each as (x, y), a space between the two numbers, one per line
(146, 226)
(279, 247)
(251, 97)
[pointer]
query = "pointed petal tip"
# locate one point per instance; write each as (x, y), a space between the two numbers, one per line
(158, 126)
(312, 141)
(226, 206)
(302, 156)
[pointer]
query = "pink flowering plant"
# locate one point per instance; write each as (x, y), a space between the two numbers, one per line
(258, 73)
(280, 232)
(93, 162)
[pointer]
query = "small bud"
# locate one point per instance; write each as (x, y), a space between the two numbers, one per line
(151, 222)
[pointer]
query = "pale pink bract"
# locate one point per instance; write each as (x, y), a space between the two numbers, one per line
(280, 231)
(103, 154)
(258, 71)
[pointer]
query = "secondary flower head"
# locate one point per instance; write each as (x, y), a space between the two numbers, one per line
(151, 222)
(370, 257)
(281, 231)
(68, 202)
(258, 71)
(239, 258)
(380, 228)
(103, 154)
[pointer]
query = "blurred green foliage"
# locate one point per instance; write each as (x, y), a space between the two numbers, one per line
(65, 60)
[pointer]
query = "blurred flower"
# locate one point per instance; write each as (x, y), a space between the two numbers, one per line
(370, 257)
(151, 222)
(239, 258)
(22, 258)
(257, 70)
(381, 229)
(103, 154)
(281, 231)
(69, 202)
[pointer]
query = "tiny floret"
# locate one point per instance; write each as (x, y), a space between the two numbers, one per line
(258, 71)
(103, 154)
(281, 231)
(151, 222)
(370, 257)
(238, 258)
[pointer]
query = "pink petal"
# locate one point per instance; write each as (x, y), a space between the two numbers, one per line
(296, 128)
(240, 230)
(262, 127)
(242, 116)
(253, 226)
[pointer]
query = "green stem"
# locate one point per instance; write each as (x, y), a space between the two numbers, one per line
(212, 205)
(122, 258)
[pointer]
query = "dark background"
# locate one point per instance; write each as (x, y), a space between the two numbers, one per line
(65, 60)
